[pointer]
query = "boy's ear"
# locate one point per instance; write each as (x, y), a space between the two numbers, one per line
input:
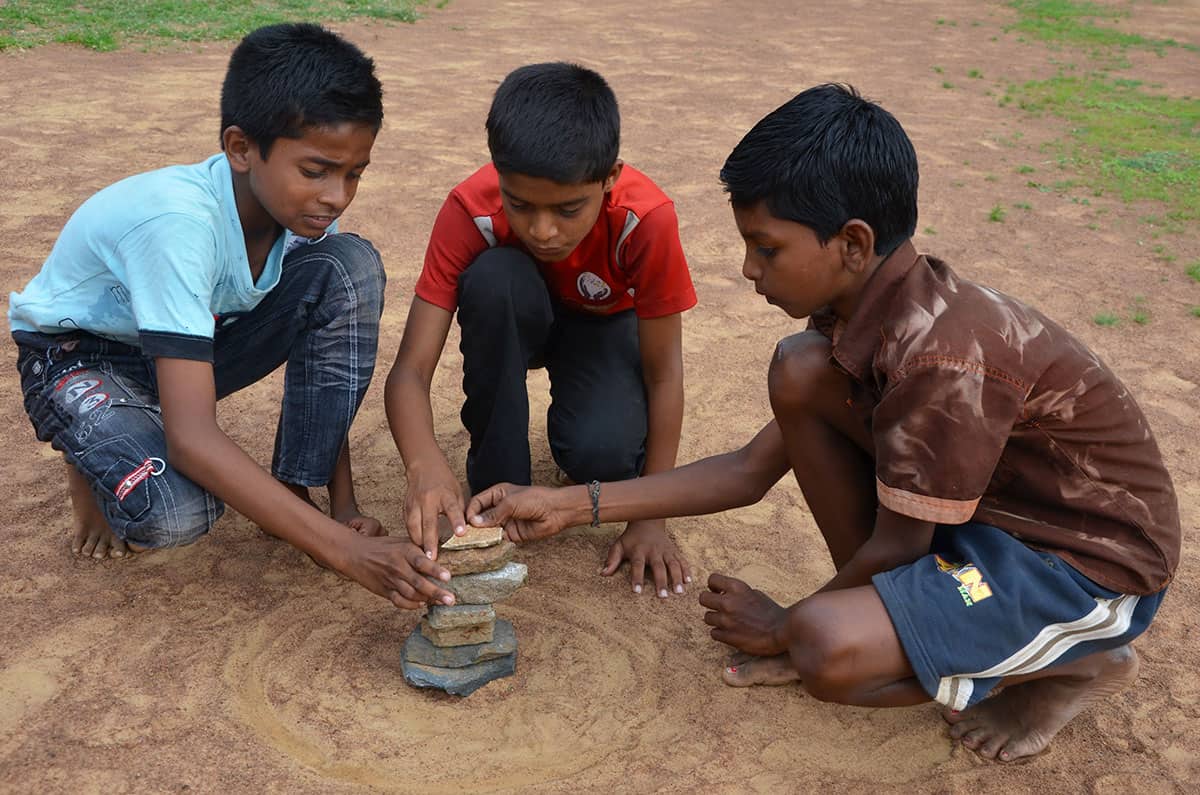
(237, 147)
(858, 245)
(613, 175)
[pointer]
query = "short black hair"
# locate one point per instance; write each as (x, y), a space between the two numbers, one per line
(827, 156)
(558, 121)
(285, 78)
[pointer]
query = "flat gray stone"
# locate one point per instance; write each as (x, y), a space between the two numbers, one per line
(455, 616)
(486, 587)
(418, 649)
(459, 681)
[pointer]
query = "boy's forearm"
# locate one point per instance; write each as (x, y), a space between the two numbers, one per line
(664, 412)
(410, 418)
(213, 460)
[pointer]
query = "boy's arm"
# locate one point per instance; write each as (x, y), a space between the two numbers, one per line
(710, 485)
(433, 489)
(645, 542)
(752, 622)
(393, 568)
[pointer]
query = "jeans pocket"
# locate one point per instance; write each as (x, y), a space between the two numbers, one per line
(121, 474)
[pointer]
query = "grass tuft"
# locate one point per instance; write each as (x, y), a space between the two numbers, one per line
(1106, 319)
(109, 24)
(997, 214)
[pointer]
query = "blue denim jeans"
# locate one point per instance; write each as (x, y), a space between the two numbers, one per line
(96, 400)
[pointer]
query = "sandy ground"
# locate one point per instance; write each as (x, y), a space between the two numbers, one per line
(236, 665)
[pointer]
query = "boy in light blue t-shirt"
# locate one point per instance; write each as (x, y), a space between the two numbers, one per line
(169, 290)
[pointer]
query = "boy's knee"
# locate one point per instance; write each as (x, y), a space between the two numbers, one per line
(496, 278)
(819, 654)
(591, 453)
(354, 273)
(800, 369)
(177, 513)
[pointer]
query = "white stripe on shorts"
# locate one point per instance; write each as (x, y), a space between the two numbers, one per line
(1110, 619)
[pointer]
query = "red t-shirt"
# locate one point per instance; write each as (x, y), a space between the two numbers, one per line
(630, 258)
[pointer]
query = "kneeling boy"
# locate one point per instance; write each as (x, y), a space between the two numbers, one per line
(994, 502)
(558, 255)
(169, 290)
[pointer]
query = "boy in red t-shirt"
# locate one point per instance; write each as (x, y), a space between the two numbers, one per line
(555, 254)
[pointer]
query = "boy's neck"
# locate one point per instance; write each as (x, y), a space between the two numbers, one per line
(259, 229)
(845, 306)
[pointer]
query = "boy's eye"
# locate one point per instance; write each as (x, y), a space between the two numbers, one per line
(765, 252)
(571, 213)
(311, 174)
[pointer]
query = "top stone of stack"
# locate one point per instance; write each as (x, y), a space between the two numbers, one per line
(475, 538)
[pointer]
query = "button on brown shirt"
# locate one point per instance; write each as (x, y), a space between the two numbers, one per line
(982, 409)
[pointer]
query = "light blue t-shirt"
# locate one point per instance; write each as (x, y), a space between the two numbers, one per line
(151, 261)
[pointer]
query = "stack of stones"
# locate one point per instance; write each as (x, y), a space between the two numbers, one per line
(460, 648)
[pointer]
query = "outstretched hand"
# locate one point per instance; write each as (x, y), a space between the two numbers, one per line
(429, 497)
(396, 569)
(526, 513)
(742, 617)
(646, 543)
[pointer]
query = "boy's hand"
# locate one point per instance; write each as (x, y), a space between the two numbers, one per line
(746, 619)
(526, 513)
(397, 570)
(645, 543)
(429, 496)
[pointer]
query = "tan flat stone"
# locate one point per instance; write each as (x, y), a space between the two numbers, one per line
(476, 537)
(458, 636)
(479, 559)
(458, 616)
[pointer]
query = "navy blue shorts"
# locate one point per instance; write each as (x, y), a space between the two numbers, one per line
(982, 606)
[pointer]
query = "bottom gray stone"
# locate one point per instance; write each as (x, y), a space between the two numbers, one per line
(459, 681)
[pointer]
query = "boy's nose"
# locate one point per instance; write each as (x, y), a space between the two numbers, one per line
(336, 195)
(543, 229)
(748, 269)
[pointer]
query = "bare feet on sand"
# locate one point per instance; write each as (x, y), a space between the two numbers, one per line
(93, 537)
(1022, 718)
(744, 670)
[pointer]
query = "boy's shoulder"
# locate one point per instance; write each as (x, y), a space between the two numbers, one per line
(201, 191)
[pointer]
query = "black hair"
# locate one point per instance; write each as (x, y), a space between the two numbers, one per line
(285, 78)
(558, 121)
(827, 156)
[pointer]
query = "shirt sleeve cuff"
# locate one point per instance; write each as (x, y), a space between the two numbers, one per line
(928, 509)
(176, 346)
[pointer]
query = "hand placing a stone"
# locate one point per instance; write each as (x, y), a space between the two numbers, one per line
(526, 513)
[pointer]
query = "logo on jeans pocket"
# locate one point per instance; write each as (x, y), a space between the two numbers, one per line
(80, 388)
(91, 401)
(592, 287)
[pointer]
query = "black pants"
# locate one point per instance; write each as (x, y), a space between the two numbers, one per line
(510, 324)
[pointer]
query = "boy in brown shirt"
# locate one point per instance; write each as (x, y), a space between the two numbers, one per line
(992, 497)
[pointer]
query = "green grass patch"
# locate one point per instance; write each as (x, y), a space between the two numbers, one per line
(997, 214)
(1106, 319)
(109, 24)
(1195, 310)
(1081, 24)
(1123, 140)
(1193, 271)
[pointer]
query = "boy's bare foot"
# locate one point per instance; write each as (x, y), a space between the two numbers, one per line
(1022, 719)
(93, 537)
(744, 670)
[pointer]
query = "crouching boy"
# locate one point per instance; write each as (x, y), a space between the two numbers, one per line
(995, 505)
(172, 289)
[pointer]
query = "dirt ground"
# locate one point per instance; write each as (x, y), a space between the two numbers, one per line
(236, 665)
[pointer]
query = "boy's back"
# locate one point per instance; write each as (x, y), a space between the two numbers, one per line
(984, 409)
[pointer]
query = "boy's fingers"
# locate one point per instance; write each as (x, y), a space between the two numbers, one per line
(429, 531)
(711, 600)
(483, 500)
(425, 566)
(676, 573)
(660, 577)
(687, 570)
(616, 553)
(637, 571)
(454, 513)
(723, 584)
(402, 603)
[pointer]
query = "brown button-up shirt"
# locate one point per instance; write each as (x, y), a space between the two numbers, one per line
(983, 409)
